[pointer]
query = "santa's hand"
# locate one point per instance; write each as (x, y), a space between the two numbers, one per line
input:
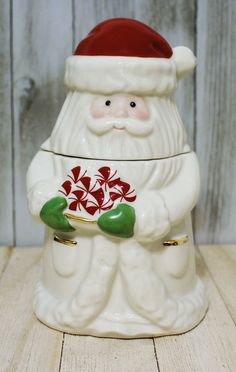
(119, 221)
(52, 214)
(152, 219)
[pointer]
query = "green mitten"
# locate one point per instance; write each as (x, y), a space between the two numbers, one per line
(119, 221)
(52, 214)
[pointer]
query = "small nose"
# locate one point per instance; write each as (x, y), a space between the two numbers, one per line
(120, 110)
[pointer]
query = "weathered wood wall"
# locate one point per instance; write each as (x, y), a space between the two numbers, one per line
(35, 39)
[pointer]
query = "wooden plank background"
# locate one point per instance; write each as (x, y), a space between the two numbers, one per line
(35, 39)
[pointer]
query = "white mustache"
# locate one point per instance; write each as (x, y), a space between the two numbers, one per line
(133, 126)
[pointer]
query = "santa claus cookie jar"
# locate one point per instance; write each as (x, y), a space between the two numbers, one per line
(115, 184)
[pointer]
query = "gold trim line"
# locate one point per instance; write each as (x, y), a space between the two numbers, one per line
(79, 219)
(179, 241)
(64, 241)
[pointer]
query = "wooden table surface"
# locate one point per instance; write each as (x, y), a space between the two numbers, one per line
(28, 345)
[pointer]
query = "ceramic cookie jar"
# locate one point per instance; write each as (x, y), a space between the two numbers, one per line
(114, 185)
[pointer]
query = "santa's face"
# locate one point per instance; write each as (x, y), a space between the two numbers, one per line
(120, 112)
(120, 126)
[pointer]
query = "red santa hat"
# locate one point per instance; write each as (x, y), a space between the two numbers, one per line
(125, 55)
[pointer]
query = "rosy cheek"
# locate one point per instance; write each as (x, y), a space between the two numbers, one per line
(98, 112)
(141, 114)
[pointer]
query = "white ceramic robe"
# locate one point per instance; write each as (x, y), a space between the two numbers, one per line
(121, 287)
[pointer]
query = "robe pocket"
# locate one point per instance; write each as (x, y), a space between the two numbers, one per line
(64, 255)
(177, 259)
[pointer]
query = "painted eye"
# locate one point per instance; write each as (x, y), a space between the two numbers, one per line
(132, 104)
(108, 102)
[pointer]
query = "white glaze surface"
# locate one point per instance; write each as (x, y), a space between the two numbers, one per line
(124, 287)
(119, 140)
(144, 76)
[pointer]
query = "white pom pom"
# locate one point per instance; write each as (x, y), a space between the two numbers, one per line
(185, 61)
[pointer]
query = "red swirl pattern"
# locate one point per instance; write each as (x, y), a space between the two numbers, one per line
(97, 193)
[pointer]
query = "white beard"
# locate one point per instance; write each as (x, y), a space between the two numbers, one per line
(78, 134)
